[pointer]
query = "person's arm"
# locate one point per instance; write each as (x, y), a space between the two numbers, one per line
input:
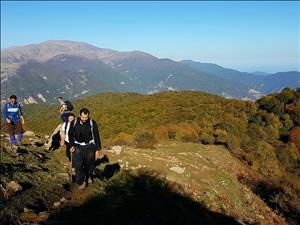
(96, 136)
(71, 134)
(61, 110)
(21, 115)
(22, 120)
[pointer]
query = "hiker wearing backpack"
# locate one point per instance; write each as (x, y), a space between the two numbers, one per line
(13, 115)
(85, 141)
(64, 135)
(65, 108)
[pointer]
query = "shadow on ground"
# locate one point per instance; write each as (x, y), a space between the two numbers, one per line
(142, 198)
(109, 170)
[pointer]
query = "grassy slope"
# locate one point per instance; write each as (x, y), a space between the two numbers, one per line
(210, 176)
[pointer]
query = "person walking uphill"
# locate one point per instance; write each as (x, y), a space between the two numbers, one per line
(84, 141)
(65, 108)
(13, 115)
(64, 135)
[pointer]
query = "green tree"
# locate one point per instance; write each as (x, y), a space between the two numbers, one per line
(286, 96)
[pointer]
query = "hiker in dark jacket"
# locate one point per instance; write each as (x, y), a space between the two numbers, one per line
(84, 141)
(13, 115)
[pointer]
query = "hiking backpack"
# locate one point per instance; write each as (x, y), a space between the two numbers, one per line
(69, 105)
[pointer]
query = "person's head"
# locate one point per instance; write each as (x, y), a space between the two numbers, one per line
(60, 99)
(84, 114)
(13, 99)
(71, 117)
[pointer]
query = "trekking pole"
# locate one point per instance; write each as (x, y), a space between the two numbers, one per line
(71, 167)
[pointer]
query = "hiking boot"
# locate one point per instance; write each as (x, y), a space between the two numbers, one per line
(90, 181)
(82, 186)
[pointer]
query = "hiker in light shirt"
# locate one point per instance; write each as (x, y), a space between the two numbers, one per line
(64, 135)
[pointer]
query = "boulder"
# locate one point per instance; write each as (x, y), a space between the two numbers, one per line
(116, 149)
(29, 133)
(14, 186)
(44, 216)
(56, 204)
(177, 169)
(27, 210)
(33, 218)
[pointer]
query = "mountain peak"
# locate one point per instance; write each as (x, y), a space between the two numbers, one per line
(51, 48)
(48, 49)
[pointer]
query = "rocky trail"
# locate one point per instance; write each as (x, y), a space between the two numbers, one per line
(175, 183)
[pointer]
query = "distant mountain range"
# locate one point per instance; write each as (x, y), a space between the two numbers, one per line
(41, 72)
(258, 84)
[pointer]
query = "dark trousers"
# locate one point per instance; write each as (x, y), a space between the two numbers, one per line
(84, 162)
(68, 153)
(15, 128)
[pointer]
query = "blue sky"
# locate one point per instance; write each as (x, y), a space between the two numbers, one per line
(247, 36)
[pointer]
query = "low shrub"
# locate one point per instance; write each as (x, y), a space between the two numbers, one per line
(144, 139)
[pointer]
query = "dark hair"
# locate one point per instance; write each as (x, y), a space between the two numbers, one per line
(60, 98)
(84, 111)
(13, 97)
(71, 114)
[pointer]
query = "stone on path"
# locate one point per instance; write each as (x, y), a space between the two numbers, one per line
(177, 169)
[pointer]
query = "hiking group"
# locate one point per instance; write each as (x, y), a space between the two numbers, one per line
(79, 135)
(82, 140)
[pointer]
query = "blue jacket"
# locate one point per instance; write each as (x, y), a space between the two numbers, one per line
(12, 112)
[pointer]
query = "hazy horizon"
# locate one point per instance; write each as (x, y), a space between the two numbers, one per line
(246, 36)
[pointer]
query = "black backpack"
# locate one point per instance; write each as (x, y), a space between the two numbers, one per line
(69, 105)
